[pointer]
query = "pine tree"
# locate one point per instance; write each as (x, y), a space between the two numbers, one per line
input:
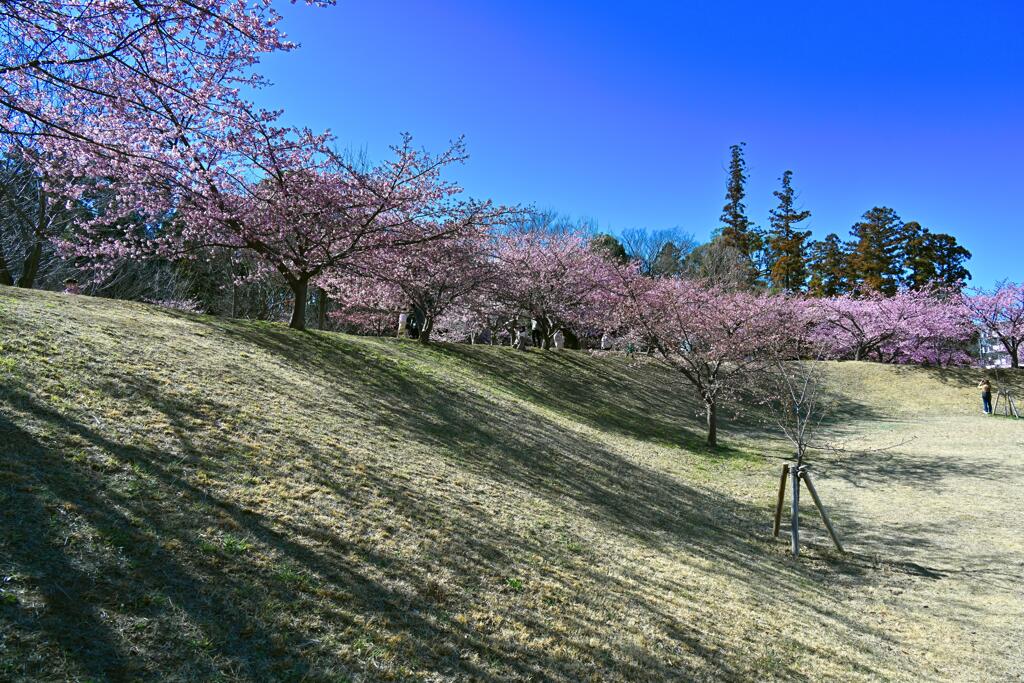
(932, 257)
(786, 249)
(609, 247)
(829, 267)
(877, 257)
(737, 230)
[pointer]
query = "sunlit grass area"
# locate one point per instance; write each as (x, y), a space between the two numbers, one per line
(192, 498)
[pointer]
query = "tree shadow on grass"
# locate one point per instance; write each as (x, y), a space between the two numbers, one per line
(169, 565)
(638, 397)
(893, 466)
(966, 377)
(228, 612)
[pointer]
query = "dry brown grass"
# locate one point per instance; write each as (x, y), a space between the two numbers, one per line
(189, 498)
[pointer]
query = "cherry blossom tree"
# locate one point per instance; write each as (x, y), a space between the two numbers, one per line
(924, 326)
(138, 100)
(715, 339)
(1000, 313)
(364, 305)
(555, 278)
(142, 97)
(129, 78)
(432, 276)
(301, 210)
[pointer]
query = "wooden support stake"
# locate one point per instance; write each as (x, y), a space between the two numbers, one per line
(821, 508)
(794, 522)
(782, 499)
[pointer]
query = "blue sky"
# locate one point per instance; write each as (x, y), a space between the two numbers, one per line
(624, 114)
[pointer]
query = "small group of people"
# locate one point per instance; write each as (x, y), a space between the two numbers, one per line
(518, 335)
(410, 323)
(536, 336)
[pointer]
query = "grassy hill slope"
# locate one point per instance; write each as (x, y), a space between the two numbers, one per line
(190, 498)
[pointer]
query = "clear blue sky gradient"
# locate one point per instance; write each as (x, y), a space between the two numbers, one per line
(624, 114)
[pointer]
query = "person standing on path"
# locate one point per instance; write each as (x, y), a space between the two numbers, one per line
(986, 396)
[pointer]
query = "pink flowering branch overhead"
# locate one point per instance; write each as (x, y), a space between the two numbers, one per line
(126, 76)
(716, 340)
(1000, 314)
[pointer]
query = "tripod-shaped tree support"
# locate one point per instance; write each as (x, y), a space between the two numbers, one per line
(1009, 408)
(796, 474)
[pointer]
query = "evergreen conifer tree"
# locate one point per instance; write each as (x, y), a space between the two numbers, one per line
(829, 267)
(933, 257)
(786, 248)
(737, 230)
(877, 255)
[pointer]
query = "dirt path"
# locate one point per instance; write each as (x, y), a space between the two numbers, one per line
(943, 522)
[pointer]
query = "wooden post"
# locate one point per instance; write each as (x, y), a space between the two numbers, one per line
(794, 522)
(821, 508)
(1009, 407)
(782, 499)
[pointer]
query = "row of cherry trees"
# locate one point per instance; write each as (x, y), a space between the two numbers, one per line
(716, 338)
(130, 111)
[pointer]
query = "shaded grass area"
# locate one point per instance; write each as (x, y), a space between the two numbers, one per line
(190, 498)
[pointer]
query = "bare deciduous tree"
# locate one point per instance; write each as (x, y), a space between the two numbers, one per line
(658, 252)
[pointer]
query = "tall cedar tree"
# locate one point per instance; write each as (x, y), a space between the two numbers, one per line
(786, 246)
(829, 266)
(737, 230)
(876, 258)
(933, 257)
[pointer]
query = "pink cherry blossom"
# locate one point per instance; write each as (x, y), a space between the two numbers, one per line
(1000, 314)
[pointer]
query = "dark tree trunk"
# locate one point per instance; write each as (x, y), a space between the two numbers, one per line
(546, 332)
(35, 253)
(1014, 352)
(5, 272)
(571, 340)
(321, 309)
(712, 415)
(428, 326)
(300, 288)
(31, 267)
